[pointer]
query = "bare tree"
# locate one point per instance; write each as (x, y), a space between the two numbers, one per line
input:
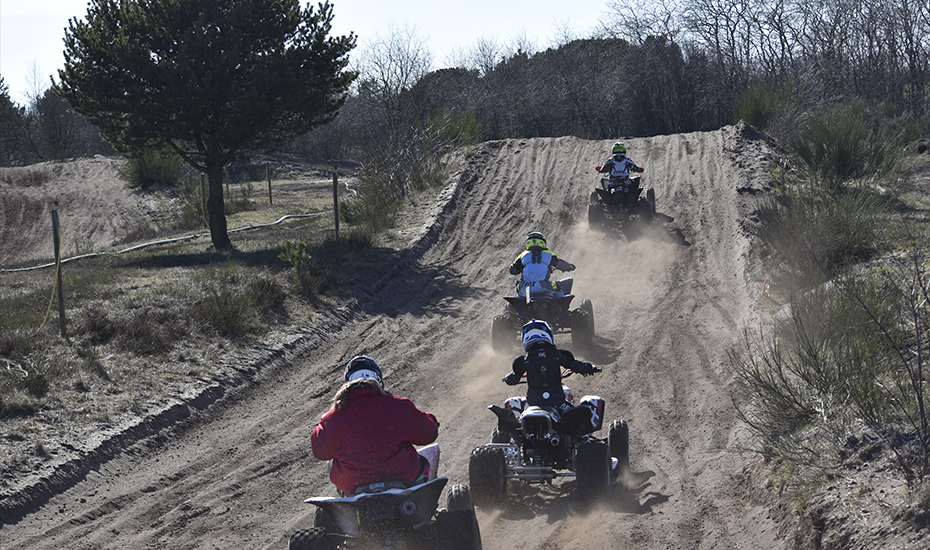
(635, 20)
(388, 67)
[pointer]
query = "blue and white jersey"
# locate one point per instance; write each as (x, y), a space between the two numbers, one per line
(536, 267)
(619, 167)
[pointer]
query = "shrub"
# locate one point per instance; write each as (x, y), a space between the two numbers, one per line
(843, 145)
(405, 163)
(148, 331)
(850, 358)
(809, 236)
(97, 325)
(192, 212)
(759, 106)
(268, 296)
(153, 167)
(223, 305)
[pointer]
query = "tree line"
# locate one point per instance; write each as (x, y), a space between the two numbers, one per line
(654, 67)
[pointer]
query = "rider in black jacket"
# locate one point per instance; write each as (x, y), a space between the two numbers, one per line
(543, 364)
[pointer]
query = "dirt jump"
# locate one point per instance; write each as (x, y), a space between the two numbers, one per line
(670, 299)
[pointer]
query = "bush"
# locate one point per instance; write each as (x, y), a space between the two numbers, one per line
(851, 358)
(153, 167)
(760, 105)
(843, 145)
(224, 305)
(811, 236)
(192, 213)
(403, 164)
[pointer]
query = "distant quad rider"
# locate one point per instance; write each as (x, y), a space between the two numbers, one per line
(369, 434)
(535, 266)
(543, 363)
(618, 167)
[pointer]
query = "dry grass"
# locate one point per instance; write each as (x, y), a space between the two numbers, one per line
(149, 325)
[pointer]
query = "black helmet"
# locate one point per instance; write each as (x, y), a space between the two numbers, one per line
(363, 366)
(535, 239)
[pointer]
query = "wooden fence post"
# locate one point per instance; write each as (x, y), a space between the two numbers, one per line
(61, 297)
(336, 202)
(268, 173)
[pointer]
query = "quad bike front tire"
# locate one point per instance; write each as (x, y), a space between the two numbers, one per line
(618, 439)
(586, 305)
(309, 539)
(582, 329)
(486, 471)
(502, 334)
(459, 498)
(592, 470)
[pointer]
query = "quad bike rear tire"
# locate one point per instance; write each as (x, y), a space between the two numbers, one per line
(592, 470)
(645, 210)
(502, 334)
(309, 539)
(595, 216)
(486, 471)
(582, 329)
(457, 530)
(322, 519)
(651, 199)
(618, 439)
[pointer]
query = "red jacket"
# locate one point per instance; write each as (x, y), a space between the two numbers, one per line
(372, 439)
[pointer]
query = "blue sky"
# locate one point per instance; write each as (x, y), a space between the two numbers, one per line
(31, 31)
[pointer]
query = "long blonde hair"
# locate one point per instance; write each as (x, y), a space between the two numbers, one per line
(341, 400)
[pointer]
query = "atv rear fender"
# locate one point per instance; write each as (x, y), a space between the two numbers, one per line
(358, 514)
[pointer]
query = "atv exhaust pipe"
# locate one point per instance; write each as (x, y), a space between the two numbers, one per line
(555, 440)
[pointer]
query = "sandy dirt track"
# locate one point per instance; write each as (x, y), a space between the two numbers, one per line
(667, 306)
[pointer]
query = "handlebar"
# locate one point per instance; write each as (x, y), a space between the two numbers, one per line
(565, 374)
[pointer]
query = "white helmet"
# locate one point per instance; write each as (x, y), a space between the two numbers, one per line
(536, 332)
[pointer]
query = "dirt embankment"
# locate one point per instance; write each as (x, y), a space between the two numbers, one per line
(667, 306)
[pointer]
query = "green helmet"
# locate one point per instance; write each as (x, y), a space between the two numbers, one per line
(535, 239)
(619, 148)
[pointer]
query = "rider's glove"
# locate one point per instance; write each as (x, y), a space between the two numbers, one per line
(511, 379)
(591, 369)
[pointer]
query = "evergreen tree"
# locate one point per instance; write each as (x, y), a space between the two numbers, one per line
(210, 79)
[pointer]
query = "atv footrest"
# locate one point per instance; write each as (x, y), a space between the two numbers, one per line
(511, 454)
(535, 474)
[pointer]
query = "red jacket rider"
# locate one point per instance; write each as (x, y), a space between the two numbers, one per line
(370, 434)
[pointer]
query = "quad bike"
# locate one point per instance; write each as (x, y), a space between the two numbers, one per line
(393, 515)
(620, 200)
(538, 444)
(545, 305)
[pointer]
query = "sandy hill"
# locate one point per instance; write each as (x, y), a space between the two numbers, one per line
(667, 306)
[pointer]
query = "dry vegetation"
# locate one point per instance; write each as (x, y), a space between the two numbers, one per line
(160, 324)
